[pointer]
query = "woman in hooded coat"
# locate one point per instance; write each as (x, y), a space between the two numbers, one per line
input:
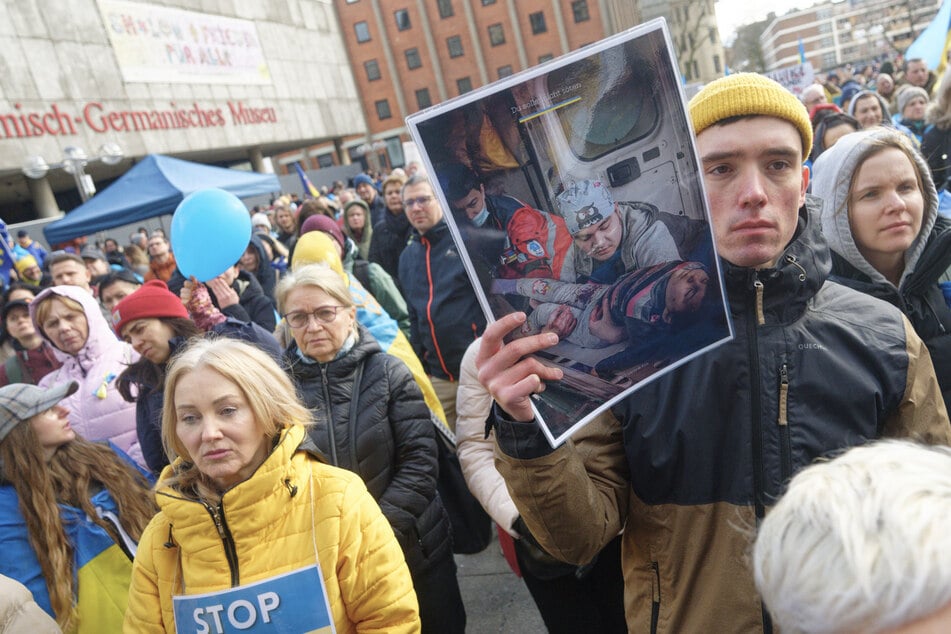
(70, 319)
(880, 217)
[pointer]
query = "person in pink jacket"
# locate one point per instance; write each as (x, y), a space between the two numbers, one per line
(71, 320)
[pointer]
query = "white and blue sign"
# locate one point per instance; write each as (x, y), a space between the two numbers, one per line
(294, 602)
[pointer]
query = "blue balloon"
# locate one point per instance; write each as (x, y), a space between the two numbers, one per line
(211, 229)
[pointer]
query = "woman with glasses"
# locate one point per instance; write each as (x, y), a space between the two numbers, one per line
(371, 419)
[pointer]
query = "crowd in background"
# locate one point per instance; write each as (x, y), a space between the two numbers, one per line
(348, 333)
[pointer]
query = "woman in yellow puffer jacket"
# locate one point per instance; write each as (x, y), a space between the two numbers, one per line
(254, 528)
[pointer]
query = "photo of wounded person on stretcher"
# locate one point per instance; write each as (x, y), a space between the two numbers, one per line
(574, 194)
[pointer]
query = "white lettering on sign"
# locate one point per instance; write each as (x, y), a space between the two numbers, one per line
(241, 614)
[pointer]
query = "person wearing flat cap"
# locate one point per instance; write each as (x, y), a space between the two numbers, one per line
(71, 511)
(690, 459)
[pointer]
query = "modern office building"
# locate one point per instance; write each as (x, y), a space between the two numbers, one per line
(837, 33)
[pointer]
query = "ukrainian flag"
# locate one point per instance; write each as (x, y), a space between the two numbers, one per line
(933, 43)
(308, 186)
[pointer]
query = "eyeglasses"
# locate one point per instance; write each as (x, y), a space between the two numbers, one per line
(323, 315)
(419, 200)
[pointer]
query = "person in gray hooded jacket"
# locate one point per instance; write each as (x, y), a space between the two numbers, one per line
(880, 217)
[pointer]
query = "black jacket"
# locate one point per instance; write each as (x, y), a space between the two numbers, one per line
(936, 148)
(701, 452)
(389, 239)
(253, 304)
(920, 298)
(389, 441)
(444, 312)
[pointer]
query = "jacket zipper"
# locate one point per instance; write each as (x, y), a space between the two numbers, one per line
(218, 517)
(785, 457)
(655, 596)
(330, 417)
(429, 306)
(759, 477)
(755, 401)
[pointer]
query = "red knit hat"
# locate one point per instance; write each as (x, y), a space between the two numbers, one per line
(151, 300)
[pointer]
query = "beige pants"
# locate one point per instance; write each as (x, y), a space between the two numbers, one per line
(446, 393)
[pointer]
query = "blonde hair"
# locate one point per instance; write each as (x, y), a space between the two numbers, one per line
(393, 179)
(67, 478)
(939, 111)
(268, 390)
(316, 276)
(859, 543)
(42, 310)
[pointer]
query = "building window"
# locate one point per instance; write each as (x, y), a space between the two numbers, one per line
(579, 9)
(445, 8)
(496, 35)
(455, 46)
(464, 85)
(544, 58)
(402, 20)
(423, 99)
(325, 160)
(486, 3)
(412, 58)
(362, 31)
(538, 22)
(713, 35)
(373, 70)
(383, 109)
(505, 71)
(716, 64)
(352, 1)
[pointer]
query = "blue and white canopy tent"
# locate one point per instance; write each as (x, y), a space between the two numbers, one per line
(154, 187)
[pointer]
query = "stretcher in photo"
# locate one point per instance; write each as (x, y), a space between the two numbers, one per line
(574, 193)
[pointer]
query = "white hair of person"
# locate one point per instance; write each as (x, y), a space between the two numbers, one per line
(860, 543)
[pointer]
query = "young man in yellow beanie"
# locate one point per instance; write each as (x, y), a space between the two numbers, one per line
(688, 465)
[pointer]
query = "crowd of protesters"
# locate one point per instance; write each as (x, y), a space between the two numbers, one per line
(292, 409)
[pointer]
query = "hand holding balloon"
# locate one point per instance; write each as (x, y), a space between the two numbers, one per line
(211, 228)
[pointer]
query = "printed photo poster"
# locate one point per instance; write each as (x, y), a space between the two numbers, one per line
(574, 194)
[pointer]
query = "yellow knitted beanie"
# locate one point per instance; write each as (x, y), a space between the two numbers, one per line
(744, 94)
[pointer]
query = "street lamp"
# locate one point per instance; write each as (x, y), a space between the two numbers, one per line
(74, 162)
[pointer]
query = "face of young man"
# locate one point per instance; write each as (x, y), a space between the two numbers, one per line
(366, 191)
(158, 247)
(70, 273)
(917, 73)
(755, 181)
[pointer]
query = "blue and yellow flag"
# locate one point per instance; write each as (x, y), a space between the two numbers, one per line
(802, 52)
(308, 186)
(6, 253)
(932, 44)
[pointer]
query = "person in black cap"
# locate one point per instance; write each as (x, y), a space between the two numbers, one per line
(33, 356)
(26, 244)
(72, 510)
